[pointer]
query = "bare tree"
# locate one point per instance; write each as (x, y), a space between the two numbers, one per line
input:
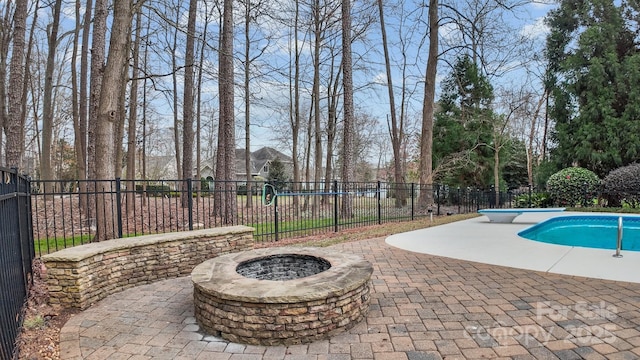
(174, 79)
(348, 163)
(397, 125)
(98, 43)
(426, 139)
(252, 11)
(500, 138)
(108, 112)
(199, 95)
(83, 104)
(14, 126)
(332, 119)
(74, 87)
(133, 116)
(5, 40)
(187, 107)
(483, 31)
(247, 103)
(225, 197)
(47, 112)
(317, 125)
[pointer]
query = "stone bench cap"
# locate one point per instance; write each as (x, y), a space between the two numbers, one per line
(86, 251)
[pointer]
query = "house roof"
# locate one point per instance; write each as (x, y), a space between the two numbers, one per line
(267, 153)
(258, 159)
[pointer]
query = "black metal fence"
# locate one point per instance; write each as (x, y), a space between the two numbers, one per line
(16, 256)
(64, 213)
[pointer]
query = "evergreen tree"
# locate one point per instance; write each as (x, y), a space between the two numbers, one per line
(463, 125)
(278, 175)
(594, 78)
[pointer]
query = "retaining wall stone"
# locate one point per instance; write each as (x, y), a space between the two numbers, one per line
(79, 276)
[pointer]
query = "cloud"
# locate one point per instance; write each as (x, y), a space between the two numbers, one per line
(380, 79)
(536, 30)
(543, 4)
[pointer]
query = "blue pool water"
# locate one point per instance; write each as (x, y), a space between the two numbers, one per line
(597, 231)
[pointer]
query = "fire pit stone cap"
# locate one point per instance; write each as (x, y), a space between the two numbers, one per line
(218, 276)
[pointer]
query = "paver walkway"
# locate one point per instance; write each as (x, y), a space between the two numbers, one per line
(422, 307)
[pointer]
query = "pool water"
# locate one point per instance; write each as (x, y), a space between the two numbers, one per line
(597, 231)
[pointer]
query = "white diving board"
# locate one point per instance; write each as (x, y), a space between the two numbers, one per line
(507, 215)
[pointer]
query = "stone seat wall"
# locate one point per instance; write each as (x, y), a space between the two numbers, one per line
(79, 276)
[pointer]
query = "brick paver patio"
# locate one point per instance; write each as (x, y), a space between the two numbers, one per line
(422, 307)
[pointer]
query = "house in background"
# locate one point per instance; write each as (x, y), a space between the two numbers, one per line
(260, 161)
(160, 168)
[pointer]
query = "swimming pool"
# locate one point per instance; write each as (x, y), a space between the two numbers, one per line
(594, 231)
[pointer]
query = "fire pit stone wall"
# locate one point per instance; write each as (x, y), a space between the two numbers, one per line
(281, 312)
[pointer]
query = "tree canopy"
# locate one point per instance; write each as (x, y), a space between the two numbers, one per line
(594, 81)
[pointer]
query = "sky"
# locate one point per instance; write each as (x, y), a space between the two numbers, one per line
(406, 33)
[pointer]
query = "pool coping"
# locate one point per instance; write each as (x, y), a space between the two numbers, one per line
(480, 241)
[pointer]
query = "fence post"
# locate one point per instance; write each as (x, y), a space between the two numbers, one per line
(335, 205)
(275, 216)
(530, 195)
(413, 190)
(379, 205)
(438, 198)
(459, 200)
(585, 195)
(119, 206)
(32, 244)
(15, 179)
(190, 201)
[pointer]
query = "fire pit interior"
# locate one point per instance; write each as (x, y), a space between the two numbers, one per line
(282, 267)
(281, 296)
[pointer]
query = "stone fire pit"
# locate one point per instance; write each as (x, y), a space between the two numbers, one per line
(281, 296)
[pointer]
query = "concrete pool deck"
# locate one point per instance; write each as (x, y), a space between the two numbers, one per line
(498, 244)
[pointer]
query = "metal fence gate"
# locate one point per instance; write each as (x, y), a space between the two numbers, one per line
(16, 255)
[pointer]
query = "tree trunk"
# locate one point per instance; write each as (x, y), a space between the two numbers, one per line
(83, 108)
(425, 200)
(74, 87)
(295, 123)
(4, 51)
(108, 112)
(199, 103)
(143, 151)
(247, 106)
(29, 86)
(47, 99)
(97, 74)
(317, 31)
(14, 127)
(133, 119)
(397, 135)
(174, 78)
(118, 132)
(546, 127)
(348, 164)
(496, 173)
(187, 107)
(532, 134)
(225, 199)
(332, 123)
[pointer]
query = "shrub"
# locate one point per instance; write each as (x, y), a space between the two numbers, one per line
(571, 186)
(154, 190)
(622, 185)
(538, 200)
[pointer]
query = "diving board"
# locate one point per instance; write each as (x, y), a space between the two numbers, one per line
(507, 215)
